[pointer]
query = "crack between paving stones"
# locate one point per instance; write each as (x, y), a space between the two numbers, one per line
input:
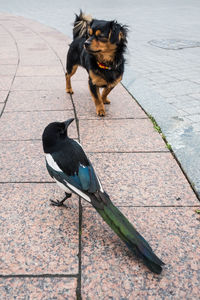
(17, 66)
(39, 276)
(78, 291)
(33, 111)
(56, 54)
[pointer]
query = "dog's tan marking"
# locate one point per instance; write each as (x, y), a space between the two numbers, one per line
(108, 89)
(105, 93)
(100, 110)
(68, 79)
(102, 99)
(90, 31)
(107, 50)
(97, 80)
(98, 32)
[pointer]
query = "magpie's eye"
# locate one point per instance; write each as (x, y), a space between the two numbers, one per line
(61, 130)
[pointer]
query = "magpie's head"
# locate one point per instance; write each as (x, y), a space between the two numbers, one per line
(54, 134)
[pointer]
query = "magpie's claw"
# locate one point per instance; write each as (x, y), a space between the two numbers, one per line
(57, 203)
(60, 203)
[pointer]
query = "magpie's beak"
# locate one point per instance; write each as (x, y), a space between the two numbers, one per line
(68, 122)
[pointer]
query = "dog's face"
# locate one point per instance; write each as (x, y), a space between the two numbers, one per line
(104, 38)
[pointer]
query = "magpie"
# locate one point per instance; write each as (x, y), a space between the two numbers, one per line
(72, 170)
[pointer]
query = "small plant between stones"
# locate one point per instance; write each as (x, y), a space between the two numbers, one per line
(158, 129)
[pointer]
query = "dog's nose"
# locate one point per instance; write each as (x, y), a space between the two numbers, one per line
(87, 44)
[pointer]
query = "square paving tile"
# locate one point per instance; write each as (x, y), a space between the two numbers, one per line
(38, 100)
(1, 107)
(122, 104)
(143, 179)
(23, 161)
(3, 96)
(7, 70)
(44, 58)
(39, 83)
(37, 238)
(126, 135)
(38, 288)
(110, 271)
(9, 61)
(30, 125)
(40, 71)
(80, 75)
(5, 83)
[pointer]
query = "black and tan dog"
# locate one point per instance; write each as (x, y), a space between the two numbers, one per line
(98, 46)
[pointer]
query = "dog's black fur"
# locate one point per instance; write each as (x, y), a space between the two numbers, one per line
(98, 46)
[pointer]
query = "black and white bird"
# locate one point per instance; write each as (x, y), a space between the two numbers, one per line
(69, 166)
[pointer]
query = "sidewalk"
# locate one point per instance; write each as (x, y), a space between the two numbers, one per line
(58, 253)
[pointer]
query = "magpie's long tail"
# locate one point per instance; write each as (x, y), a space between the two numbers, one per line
(125, 230)
(80, 25)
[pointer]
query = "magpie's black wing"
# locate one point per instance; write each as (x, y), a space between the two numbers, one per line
(71, 167)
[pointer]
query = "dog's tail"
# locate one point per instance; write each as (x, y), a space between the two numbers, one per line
(81, 24)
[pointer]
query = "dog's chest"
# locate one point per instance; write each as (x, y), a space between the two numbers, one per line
(101, 80)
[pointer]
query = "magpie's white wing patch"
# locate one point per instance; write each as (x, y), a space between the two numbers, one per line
(80, 145)
(101, 188)
(62, 186)
(51, 162)
(77, 191)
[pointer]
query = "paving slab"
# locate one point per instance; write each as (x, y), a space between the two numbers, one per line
(40, 244)
(38, 83)
(1, 107)
(22, 161)
(38, 288)
(109, 271)
(56, 100)
(5, 83)
(143, 179)
(37, 238)
(7, 70)
(30, 125)
(122, 104)
(128, 135)
(3, 96)
(40, 71)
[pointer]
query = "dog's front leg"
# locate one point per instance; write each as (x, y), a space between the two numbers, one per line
(96, 97)
(105, 93)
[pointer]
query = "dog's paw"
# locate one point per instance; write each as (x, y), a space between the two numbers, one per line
(100, 112)
(69, 91)
(106, 101)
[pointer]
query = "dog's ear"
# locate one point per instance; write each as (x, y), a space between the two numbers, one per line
(118, 33)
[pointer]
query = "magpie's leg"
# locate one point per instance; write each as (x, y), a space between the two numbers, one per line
(60, 203)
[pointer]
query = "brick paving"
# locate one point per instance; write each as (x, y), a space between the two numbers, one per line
(60, 253)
